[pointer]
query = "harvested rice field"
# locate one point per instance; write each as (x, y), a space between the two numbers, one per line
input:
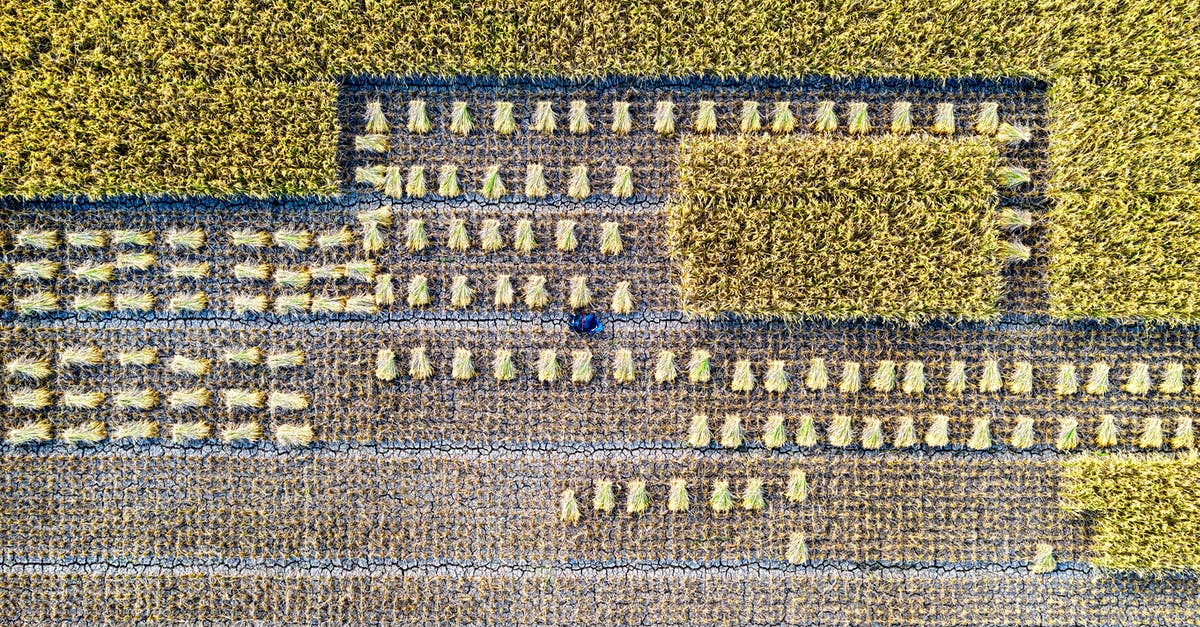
(638, 313)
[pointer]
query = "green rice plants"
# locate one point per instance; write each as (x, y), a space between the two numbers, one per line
(140, 400)
(700, 366)
(36, 304)
(1138, 383)
(286, 401)
(775, 381)
(535, 181)
(295, 279)
(372, 222)
(252, 271)
(544, 120)
(294, 435)
(130, 237)
(1021, 381)
(706, 117)
(774, 432)
(1016, 251)
(503, 291)
(797, 550)
(536, 296)
(416, 238)
(564, 235)
(27, 368)
(578, 187)
(418, 293)
(134, 261)
(190, 366)
(90, 239)
(418, 117)
(29, 399)
(622, 368)
(938, 434)
(1097, 384)
(292, 303)
(41, 270)
(622, 186)
(906, 433)
(1016, 219)
(185, 432)
(622, 120)
(750, 120)
(752, 496)
(698, 434)
(664, 368)
(448, 183)
(461, 292)
(580, 297)
(460, 119)
(577, 118)
(956, 378)
(461, 366)
(797, 485)
(782, 120)
(414, 185)
(285, 360)
(419, 366)
(548, 370)
(731, 435)
(990, 380)
(371, 143)
(872, 434)
(581, 366)
(568, 508)
(456, 235)
(374, 121)
(884, 380)
(825, 120)
(241, 432)
(490, 239)
(743, 379)
(373, 175)
(503, 121)
(523, 238)
(817, 378)
(360, 270)
(603, 498)
(860, 119)
(841, 431)
(189, 399)
(914, 378)
(1013, 176)
(851, 380)
(610, 238)
(987, 120)
(385, 365)
(79, 356)
(637, 499)
(136, 430)
(86, 433)
(806, 433)
(622, 300)
(1068, 382)
(943, 119)
(139, 357)
(393, 182)
(1184, 436)
(901, 117)
(1107, 432)
(1068, 434)
(1043, 560)
(493, 186)
(249, 303)
(677, 498)
(981, 434)
(191, 270)
(1172, 381)
(30, 433)
(721, 499)
(1013, 135)
(1022, 433)
(1152, 433)
(664, 118)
